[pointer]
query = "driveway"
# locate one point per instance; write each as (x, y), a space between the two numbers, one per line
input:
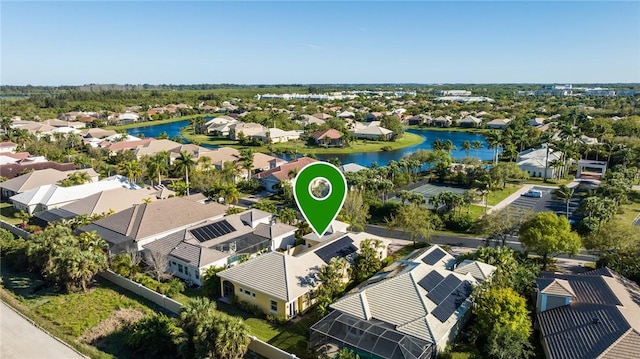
(547, 203)
(19, 339)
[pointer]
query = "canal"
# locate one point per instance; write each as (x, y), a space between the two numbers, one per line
(364, 159)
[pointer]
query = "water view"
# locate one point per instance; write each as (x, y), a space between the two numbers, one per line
(364, 159)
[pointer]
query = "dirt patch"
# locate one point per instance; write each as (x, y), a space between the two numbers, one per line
(393, 247)
(116, 321)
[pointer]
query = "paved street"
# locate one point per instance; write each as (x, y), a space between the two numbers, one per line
(19, 339)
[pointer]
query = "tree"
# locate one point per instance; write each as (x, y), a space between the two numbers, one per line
(549, 235)
(614, 236)
(415, 220)
(232, 337)
(506, 343)
(158, 263)
(504, 311)
(183, 163)
(331, 277)
(265, 205)
(563, 193)
(467, 146)
(506, 171)
(288, 216)
(485, 184)
(346, 353)
(477, 145)
(195, 319)
(368, 261)
(130, 169)
(153, 337)
(494, 139)
(158, 165)
(394, 124)
(355, 211)
(75, 178)
(246, 158)
(503, 224)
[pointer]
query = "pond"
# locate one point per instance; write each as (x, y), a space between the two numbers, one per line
(364, 159)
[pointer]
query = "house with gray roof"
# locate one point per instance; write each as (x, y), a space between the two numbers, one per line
(281, 283)
(222, 242)
(144, 223)
(411, 309)
(588, 316)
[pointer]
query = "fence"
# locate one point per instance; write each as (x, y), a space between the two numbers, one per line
(256, 345)
(15, 230)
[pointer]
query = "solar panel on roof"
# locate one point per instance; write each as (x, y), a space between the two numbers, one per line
(340, 248)
(430, 281)
(446, 287)
(213, 230)
(433, 257)
(448, 306)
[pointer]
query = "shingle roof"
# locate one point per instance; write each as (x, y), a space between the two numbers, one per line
(38, 178)
(479, 270)
(273, 231)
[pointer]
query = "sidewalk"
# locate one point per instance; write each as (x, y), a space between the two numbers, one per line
(515, 195)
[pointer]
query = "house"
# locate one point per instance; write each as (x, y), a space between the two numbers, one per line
(536, 122)
(322, 116)
(109, 201)
(442, 121)
(328, 138)
(261, 161)
(373, 116)
(144, 223)
(220, 125)
(351, 167)
(470, 121)
(8, 147)
(275, 135)
(373, 133)
(222, 243)
(309, 120)
(37, 178)
(271, 178)
(282, 284)
(248, 129)
(97, 133)
(589, 315)
(412, 309)
(535, 161)
(498, 123)
(51, 196)
(419, 120)
(13, 170)
(346, 114)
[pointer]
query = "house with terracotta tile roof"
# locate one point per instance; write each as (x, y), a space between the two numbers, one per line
(592, 315)
(328, 138)
(271, 178)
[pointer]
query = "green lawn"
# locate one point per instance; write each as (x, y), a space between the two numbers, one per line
(407, 140)
(550, 182)
(6, 213)
(629, 211)
(498, 196)
(68, 316)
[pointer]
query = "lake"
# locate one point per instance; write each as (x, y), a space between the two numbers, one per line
(364, 159)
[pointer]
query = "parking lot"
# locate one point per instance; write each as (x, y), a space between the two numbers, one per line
(547, 203)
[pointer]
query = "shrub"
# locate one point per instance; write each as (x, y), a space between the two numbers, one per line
(460, 222)
(386, 148)
(176, 286)
(13, 250)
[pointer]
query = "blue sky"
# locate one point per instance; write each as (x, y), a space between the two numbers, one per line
(55, 43)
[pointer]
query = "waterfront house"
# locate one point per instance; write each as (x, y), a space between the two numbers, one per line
(498, 123)
(328, 138)
(247, 129)
(275, 135)
(272, 177)
(470, 121)
(535, 161)
(374, 132)
(442, 121)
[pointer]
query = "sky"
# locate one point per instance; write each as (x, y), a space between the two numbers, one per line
(306, 42)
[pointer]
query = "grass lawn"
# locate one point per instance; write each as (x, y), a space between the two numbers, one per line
(407, 140)
(6, 213)
(151, 123)
(498, 196)
(629, 211)
(550, 182)
(68, 316)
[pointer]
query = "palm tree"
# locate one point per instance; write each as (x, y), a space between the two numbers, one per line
(205, 163)
(232, 337)
(565, 194)
(157, 165)
(494, 138)
(449, 146)
(467, 146)
(477, 145)
(231, 195)
(246, 158)
(485, 184)
(437, 145)
(230, 172)
(182, 163)
(288, 216)
(194, 319)
(130, 169)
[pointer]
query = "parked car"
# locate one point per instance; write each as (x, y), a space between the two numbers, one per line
(533, 193)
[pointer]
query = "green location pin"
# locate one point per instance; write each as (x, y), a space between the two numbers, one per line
(320, 190)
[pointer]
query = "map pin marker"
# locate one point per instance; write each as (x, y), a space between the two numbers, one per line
(320, 190)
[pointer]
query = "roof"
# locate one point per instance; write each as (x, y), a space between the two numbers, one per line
(351, 167)
(253, 215)
(114, 200)
(273, 231)
(13, 170)
(147, 219)
(479, 270)
(372, 130)
(601, 321)
(278, 275)
(39, 178)
(282, 172)
(432, 297)
(8, 144)
(330, 133)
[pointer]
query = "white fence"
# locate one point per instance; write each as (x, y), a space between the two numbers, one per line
(256, 345)
(15, 230)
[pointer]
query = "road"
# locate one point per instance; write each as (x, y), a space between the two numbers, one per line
(19, 339)
(465, 242)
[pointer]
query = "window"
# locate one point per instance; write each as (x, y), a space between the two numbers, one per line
(180, 268)
(253, 295)
(197, 275)
(247, 293)
(274, 306)
(173, 263)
